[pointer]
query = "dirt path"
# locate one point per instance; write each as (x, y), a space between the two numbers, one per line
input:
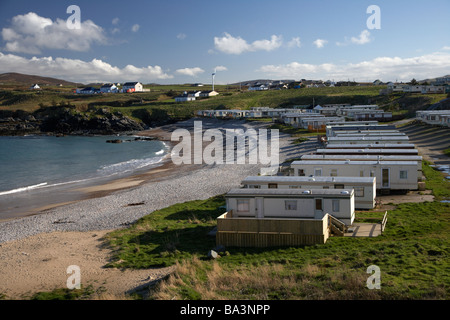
(40, 263)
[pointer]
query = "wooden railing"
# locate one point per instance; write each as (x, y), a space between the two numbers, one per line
(337, 226)
(383, 222)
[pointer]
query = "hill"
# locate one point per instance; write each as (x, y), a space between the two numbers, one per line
(28, 80)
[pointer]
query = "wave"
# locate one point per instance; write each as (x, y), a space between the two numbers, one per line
(40, 185)
(105, 171)
(130, 165)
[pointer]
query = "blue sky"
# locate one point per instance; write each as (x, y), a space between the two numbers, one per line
(184, 41)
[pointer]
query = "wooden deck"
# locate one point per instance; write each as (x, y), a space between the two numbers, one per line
(364, 230)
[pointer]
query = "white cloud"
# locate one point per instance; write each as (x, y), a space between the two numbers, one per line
(221, 68)
(446, 48)
(115, 21)
(320, 43)
(31, 34)
(364, 37)
(78, 70)
(383, 68)
(295, 42)
(135, 28)
(236, 45)
(192, 72)
(181, 36)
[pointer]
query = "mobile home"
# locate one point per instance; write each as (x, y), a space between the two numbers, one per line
(390, 175)
(292, 203)
(381, 152)
(333, 129)
(364, 187)
(364, 157)
(363, 145)
(369, 139)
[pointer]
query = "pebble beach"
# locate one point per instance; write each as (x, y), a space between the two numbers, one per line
(120, 203)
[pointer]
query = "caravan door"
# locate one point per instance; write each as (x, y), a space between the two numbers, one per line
(385, 178)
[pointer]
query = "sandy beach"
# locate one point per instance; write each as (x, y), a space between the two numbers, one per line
(35, 251)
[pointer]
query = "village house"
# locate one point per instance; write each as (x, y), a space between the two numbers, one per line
(89, 90)
(35, 87)
(132, 87)
(207, 94)
(188, 96)
(109, 88)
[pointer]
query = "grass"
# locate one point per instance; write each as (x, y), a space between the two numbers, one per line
(168, 235)
(435, 181)
(447, 152)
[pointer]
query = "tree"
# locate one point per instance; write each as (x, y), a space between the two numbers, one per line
(413, 82)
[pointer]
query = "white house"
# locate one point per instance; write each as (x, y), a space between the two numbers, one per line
(35, 87)
(292, 203)
(188, 96)
(208, 93)
(390, 175)
(261, 87)
(109, 88)
(364, 187)
(132, 87)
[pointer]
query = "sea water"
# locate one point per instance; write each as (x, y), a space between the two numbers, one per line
(30, 166)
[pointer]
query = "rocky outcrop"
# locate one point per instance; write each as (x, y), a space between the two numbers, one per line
(66, 120)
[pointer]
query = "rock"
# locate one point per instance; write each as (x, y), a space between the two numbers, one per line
(114, 141)
(212, 254)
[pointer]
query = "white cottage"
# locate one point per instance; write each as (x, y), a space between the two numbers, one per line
(132, 87)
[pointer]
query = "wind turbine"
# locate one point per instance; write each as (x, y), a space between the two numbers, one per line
(213, 76)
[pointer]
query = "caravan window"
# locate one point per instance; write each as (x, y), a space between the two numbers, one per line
(359, 191)
(403, 174)
(333, 173)
(335, 204)
(301, 172)
(290, 205)
(243, 205)
(318, 172)
(273, 186)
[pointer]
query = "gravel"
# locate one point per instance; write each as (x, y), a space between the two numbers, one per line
(114, 211)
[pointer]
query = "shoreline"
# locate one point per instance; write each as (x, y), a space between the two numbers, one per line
(135, 187)
(36, 250)
(73, 192)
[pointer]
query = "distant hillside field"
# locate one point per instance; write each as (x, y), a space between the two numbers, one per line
(161, 99)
